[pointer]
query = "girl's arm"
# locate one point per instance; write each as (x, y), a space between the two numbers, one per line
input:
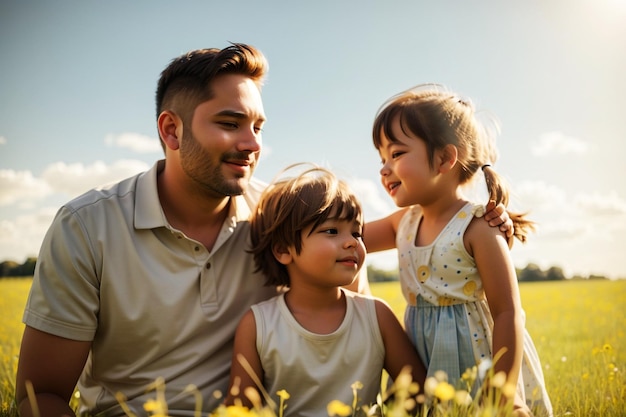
(491, 252)
(399, 351)
(380, 235)
(244, 350)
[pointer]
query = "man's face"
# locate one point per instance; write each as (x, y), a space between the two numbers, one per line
(221, 148)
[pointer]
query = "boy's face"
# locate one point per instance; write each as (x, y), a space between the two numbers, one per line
(221, 148)
(332, 254)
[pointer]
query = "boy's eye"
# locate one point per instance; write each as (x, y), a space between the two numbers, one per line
(396, 154)
(330, 231)
(357, 235)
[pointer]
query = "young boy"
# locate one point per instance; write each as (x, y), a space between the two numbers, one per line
(316, 339)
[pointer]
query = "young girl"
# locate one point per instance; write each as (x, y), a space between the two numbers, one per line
(317, 339)
(455, 271)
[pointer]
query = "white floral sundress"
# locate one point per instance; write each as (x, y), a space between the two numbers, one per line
(447, 316)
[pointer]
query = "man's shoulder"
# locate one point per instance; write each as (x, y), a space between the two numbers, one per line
(146, 180)
(107, 192)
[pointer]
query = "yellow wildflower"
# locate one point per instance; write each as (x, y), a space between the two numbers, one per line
(498, 380)
(444, 391)
(253, 395)
(337, 408)
(430, 385)
(441, 376)
(470, 374)
(238, 411)
(356, 386)
(509, 390)
(156, 408)
(463, 398)
(404, 379)
(284, 395)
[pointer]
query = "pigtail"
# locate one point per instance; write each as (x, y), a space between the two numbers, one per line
(499, 192)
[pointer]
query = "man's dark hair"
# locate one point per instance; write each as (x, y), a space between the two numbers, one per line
(186, 82)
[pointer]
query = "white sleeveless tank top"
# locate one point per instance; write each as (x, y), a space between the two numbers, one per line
(316, 369)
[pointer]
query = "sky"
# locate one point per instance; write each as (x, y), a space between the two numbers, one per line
(77, 83)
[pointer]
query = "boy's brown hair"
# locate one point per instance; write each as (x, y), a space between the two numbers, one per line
(290, 205)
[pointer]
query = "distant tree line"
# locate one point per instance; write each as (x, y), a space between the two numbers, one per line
(13, 269)
(530, 273)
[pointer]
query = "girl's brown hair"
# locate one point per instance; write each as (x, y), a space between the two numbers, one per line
(440, 118)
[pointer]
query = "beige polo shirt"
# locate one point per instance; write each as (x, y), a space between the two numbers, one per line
(153, 302)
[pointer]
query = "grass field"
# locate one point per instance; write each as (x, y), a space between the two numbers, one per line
(579, 329)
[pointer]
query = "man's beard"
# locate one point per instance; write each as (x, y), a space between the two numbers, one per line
(199, 166)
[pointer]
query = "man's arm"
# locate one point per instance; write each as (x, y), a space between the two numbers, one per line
(52, 365)
(497, 216)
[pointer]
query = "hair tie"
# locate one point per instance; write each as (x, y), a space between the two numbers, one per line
(485, 166)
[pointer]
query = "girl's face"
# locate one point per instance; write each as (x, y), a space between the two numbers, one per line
(406, 173)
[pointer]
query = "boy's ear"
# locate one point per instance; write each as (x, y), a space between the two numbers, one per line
(170, 129)
(448, 157)
(282, 254)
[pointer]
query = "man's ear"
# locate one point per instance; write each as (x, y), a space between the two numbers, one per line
(282, 254)
(170, 129)
(447, 158)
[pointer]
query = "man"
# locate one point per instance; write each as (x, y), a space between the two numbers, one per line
(148, 278)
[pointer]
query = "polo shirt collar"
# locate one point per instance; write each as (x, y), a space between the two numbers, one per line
(149, 213)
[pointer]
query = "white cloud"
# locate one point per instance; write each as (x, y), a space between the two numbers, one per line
(74, 179)
(70, 180)
(16, 186)
(550, 208)
(580, 233)
(374, 204)
(609, 205)
(135, 142)
(583, 233)
(558, 143)
(537, 195)
(575, 232)
(3, 140)
(22, 236)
